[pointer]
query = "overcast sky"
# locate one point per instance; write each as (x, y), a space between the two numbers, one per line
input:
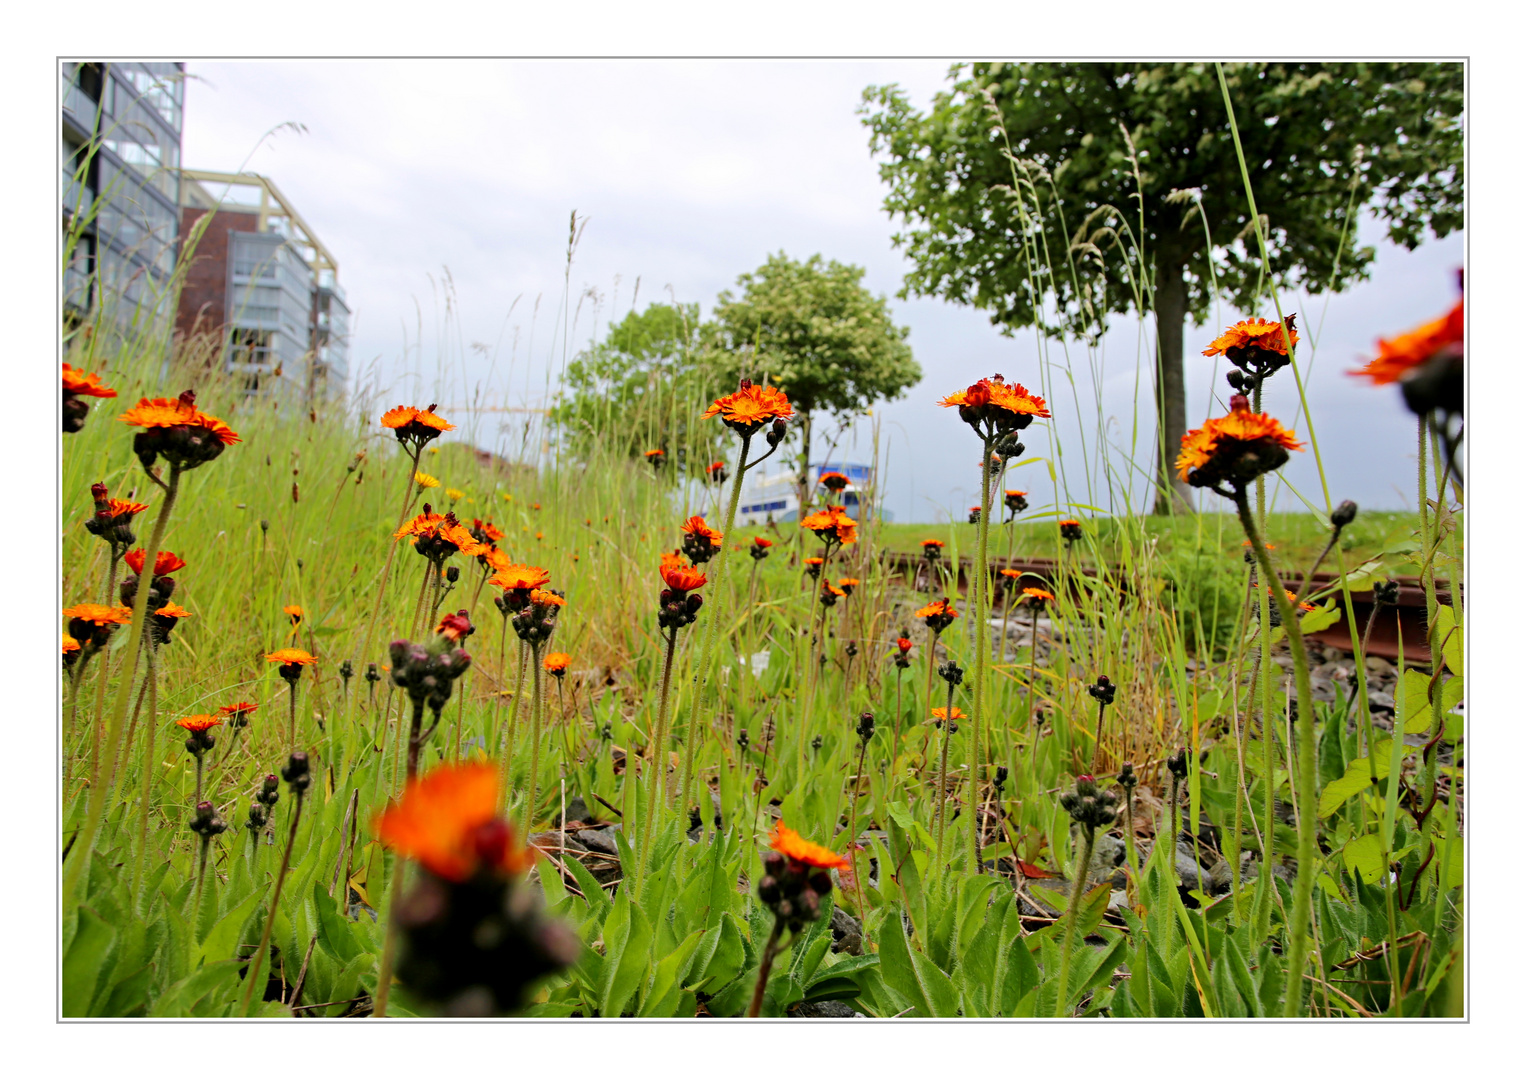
(691, 173)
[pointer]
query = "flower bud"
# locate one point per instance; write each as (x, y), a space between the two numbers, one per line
(1343, 515)
(452, 574)
(295, 772)
(951, 672)
(1177, 763)
(865, 726)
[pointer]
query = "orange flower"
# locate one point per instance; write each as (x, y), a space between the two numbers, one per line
(485, 531)
(762, 542)
(679, 576)
(1008, 572)
(200, 722)
(848, 582)
(931, 544)
(1210, 452)
(291, 656)
(448, 821)
(70, 645)
(696, 527)
(294, 611)
(832, 524)
(556, 663)
(938, 615)
(455, 627)
(80, 382)
(1402, 354)
(496, 559)
(1292, 599)
(173, 611)
(750, 408)
(941, 713)
(520, 578)
(1013, 493)
(116, 508)
(992, 401)
(1038, 595)
(655, 453)
(1252, 334)
(166, 562)
(541, 598)
(415, 425)
(814, 560)
(833, 481)
(239, 712)
(421, 523)
(796, 848)
(904, 644)
(99, 614)
(828, 589)
(177, 412)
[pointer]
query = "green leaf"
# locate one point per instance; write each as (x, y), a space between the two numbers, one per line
(1449, 634)
(1364, 855)
(1321, 618)
(914, 976)
(334, 935)
(627, 937)
(665, 990)
(82, 964)
(1357, 778)
(223, 940)
(1417, 701)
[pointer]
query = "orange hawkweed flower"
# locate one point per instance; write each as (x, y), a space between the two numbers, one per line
(655, 453)
(832, 525)
(941, 713)
(1238, 447)
(679, 576)
(520, 578)
(297, 657)
(992, 407)
(1400, 355)
(696, 526)
(762, 542)
(70, 645)
(294, 612)
(87, 384)
(448, 821)
(116, 508)
(151, 413)
(1252, 334)
(199, 722)
(750, 408)
(166, 562)
(99, 614)
(541, 598)
(173, 611)
(833, 481)
(420, 523)
(1038, 596)
(416, 426)
(238, 713)
(798, 849)
(938, 615)
(1008, 572)
(848, 582)
(556, 663)
(1292, 599)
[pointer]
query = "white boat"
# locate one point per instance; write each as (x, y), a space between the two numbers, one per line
(776, 497)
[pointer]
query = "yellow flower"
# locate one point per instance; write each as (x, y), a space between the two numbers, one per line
(424, 480)
(455, 494)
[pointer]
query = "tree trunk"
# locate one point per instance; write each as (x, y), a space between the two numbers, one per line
(1172, 494)
(804, 480)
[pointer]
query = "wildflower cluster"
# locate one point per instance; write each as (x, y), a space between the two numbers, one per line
(796, 877)
(1234, 449)
(701, 543)
(176, 430)
(1257, 348)
(679, 603)
(1089, 807)
(79, 385)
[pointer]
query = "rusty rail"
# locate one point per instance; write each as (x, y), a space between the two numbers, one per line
(1408, 614)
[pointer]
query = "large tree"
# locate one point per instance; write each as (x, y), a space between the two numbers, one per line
(812, 329)
(1140, 156)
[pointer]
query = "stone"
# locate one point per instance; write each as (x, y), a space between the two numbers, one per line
(1381, 702)
(824, 1010)
(847, 933)
(577, 810)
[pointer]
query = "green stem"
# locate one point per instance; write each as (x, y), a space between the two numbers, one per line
(536, 708)
(1308, 822)
(257, 964)
(100, 786)
(716, 628)
(150, 732)
(942, 792)
(657, 773)
(1072, 914)
(982, 647)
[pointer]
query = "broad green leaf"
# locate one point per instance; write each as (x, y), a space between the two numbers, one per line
(1321, 618)
(665, 990)
(627, 938)
(1417, 702)
(82, 964)
(914, 976)
(1364, 855)
(223, 940)
(1357, 778)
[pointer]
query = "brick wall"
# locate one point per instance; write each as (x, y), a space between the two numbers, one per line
(204, 299)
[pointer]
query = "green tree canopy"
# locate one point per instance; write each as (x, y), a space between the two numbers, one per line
(812, 329)
(1116, 172)
(642, 387)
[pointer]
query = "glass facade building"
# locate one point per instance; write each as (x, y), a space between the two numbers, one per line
(119, 150)
(260, 279)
